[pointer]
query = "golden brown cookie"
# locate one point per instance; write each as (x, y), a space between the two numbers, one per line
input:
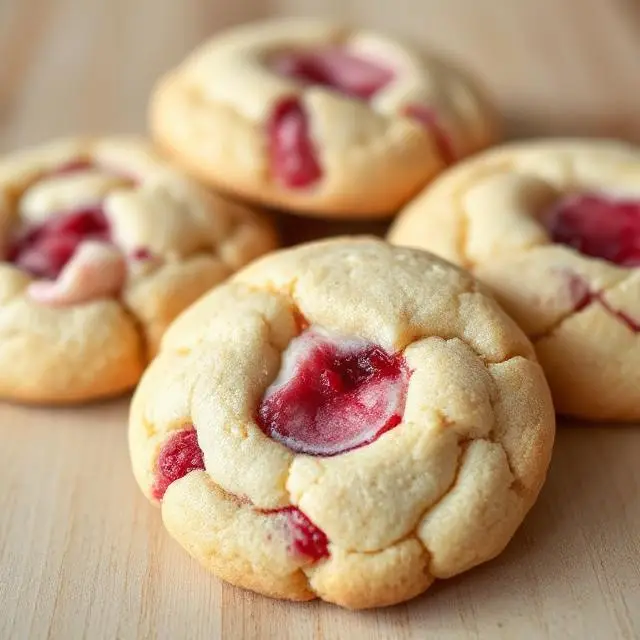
(318, 118)
(343, 420)
(553, 227)
(103, 243)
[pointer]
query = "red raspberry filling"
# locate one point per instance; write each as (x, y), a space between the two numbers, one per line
(333, 395)
(46, 248)
(293, 157)
(291, 151)
(179, 455)
(598, 226)
(74, 166)
(583, 296)
(347, 73)
(306, 539)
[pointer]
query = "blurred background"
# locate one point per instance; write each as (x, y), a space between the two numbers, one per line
(554, 66)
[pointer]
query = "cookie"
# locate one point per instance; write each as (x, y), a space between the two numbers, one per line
(103, 243)
(318, 118)
(343, 420)
(553, 227)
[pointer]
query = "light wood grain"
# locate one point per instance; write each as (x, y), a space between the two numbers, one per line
(82, 554)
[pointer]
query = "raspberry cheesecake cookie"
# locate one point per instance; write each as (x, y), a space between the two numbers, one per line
(553, 227)
(103, 243)
(343, 420)
(318, 118)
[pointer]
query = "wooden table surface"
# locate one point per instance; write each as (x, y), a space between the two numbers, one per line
(82, 554)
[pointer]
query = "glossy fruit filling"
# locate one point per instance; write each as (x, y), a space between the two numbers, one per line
(598, 226)
(45, 249)
(291, 151)
(294, 160)
(345, 72)
(306, 539)
(179, 455)
(333, 394)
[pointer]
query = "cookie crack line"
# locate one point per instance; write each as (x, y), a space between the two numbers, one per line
(517, 484)
(463, 444)
(457, 198)
(288, 291)
(485, 361)
(589, 299)
(444, 422)
(139, 325)
(316, 481)
(473, 288)
(269, 341)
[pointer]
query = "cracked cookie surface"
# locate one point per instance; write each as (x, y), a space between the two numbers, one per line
(553, 227)
(318, 118)
(103, 242)
(365, 440)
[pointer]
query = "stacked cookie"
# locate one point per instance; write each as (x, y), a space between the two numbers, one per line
(346, 419)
